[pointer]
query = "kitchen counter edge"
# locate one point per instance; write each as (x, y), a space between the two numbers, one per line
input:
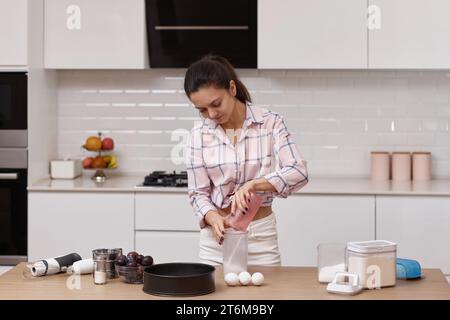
(347, 186)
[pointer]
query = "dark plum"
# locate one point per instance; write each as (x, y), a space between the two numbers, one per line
(122, 260)
(139, 259)
(147, 261)
(132, 264)
(132, 256)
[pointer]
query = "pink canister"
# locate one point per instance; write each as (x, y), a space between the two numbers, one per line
(240, 220)
(379, 170)
(421, 166)
(401, 166)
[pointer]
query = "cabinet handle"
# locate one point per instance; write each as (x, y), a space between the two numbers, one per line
(8, 176)
(201, 27)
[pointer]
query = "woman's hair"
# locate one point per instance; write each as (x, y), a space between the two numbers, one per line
(214, 71)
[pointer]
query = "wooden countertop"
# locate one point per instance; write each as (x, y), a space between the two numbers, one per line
(290, 283)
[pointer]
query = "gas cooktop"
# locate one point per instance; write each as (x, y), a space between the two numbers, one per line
(165, 179)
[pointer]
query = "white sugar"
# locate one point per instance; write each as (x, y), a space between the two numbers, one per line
(326, 274)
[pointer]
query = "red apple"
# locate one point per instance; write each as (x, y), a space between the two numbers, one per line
(107, 144)
(87, 162)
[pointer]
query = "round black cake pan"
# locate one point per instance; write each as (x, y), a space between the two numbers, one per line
(179, 279)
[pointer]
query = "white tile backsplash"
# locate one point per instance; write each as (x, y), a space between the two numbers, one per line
(420, 140)
(336, 117)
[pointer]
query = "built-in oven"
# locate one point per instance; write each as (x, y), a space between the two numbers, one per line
(13, 109)
(13, 167)
(13, 206)
(181, 31)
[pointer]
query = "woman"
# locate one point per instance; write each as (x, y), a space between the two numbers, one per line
(230, 155)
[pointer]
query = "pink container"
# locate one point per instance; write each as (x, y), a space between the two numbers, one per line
(241, 220)
(421, 166)
(380, 166)
(401, 166)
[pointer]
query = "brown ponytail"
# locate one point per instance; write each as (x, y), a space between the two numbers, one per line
(216, 71)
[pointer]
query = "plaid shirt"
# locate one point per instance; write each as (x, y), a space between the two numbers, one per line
(216, 168)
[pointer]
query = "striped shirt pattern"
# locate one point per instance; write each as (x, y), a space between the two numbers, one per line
(217, 169)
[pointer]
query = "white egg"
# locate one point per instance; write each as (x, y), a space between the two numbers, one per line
(257, 278)
(245, 278)
(232, 279)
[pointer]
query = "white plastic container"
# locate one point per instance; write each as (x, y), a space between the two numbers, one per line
(374, 262)
(65, 169)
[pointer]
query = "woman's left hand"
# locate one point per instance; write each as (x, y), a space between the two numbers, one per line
(242, 197)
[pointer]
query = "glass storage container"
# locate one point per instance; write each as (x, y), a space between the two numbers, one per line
(235, 250)
(330, 259)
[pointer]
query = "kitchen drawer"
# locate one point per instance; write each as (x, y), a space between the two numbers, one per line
(166, 246)
(162, 211)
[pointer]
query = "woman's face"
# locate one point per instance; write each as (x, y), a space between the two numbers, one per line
(215, 104)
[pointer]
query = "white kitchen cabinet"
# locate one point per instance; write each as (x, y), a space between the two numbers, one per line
(312, 34)
(165, 211)
(64, 222)
(419, 225)
(95, 34)
(413, 34)
(166, 227)
(13, 32)
(305, 221)
(166, 246)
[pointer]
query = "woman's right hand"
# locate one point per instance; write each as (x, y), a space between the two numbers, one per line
(217, 223)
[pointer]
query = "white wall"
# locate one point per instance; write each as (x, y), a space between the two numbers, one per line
(337, 117)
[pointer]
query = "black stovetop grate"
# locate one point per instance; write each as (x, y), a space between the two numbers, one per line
(166, 179)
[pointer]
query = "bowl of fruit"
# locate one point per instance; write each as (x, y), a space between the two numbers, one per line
(131, 267)
(103, 159)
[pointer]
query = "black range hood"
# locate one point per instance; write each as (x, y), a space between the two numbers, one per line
(180, 32)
